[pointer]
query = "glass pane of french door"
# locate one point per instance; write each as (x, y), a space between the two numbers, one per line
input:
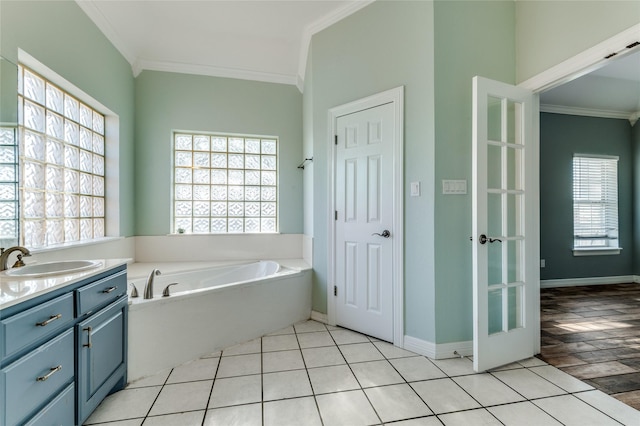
(505, 195)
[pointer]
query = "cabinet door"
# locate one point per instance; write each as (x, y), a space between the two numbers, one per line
(101, 355)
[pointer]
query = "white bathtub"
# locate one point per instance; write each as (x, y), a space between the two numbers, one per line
(210, 309)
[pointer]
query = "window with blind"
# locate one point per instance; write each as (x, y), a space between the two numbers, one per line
(595, 203)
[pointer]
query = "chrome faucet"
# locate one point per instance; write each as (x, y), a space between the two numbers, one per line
(4, 256)
(148, 289)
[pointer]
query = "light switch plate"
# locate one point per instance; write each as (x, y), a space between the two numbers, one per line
(415, 189)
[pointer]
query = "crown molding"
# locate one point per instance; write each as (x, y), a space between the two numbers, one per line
(138, 65)
(300, 83)
(319, 25)
(590, 112)
(103, 24)
(213, 71)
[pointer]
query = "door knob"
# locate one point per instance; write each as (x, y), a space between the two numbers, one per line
(385, 234)
(484, 239)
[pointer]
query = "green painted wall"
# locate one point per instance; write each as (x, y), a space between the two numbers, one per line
(471, 38)
(549, 32)
(635, 145)
(561, 136)
(8, 91)
(61, 36)
(385, 45)
(170, 101)
(307, 148)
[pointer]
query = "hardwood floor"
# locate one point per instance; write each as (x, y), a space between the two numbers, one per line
(593, 333)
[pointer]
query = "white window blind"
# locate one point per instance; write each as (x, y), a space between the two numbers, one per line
(595, 202)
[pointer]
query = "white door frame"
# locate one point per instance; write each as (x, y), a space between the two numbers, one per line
(395, 96)
(568, 70)
(584, 62)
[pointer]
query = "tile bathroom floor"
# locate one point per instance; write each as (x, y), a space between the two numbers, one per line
(313, 374)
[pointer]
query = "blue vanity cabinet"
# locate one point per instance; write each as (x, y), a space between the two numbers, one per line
(62, 352)
(102, 355)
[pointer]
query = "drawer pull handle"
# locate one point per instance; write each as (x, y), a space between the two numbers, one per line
(88, 344)
(50, 320)
(109, 290)
(51, 372)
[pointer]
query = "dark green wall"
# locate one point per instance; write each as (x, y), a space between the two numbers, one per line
(635, 141)
(561, 136)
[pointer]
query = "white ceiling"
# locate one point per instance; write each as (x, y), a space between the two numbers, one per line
(610, 91)
(265, 40)
(268, 40)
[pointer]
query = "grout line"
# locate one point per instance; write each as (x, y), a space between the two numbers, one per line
(158, 395)
(213, 383)
(304, 362)
(261, 380)
(363, 389)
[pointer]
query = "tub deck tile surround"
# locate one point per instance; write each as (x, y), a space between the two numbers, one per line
(141, 269)
(352, 379)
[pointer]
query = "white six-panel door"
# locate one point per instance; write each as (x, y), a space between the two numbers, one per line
(364, 221)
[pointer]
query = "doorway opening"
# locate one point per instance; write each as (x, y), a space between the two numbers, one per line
(591, 331)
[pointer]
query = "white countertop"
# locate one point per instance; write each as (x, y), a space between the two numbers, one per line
(14, 290)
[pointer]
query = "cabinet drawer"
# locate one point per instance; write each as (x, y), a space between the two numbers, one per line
(100, 293)
(60, 411)
(37, 377)
(32, 325)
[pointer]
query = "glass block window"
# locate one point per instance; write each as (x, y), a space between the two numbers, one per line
(595, 202)
(62, 164)
(225, 184)
(8, 186)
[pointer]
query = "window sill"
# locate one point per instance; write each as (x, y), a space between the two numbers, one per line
(74, 244)
(235, 234)
(600, 251)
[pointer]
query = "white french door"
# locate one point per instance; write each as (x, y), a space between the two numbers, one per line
(506, 274)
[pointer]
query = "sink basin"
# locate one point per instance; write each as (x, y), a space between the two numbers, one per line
(52, 268)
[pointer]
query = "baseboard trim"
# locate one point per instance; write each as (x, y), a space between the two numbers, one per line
(320, 317)
(571, 282)
(438, 350)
